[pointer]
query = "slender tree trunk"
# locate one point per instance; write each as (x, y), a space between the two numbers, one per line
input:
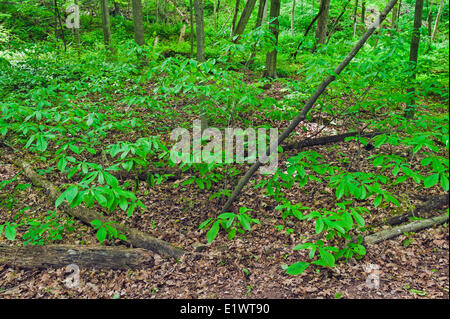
(191, 20)
(322, 22)
(292, 18)
(308, 105)
(58, 17)
(233, 22)
(105, 24)
(259, 18)
(363, 12)
(433, 35)
(394, 17)
(294, 54)
(245, 16)
(77, 35)
(333, 27)
(355, 13)
(271, 57)
(414, 54)
(198, 5)
(138, 22)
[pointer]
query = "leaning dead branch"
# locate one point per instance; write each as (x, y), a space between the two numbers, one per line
(411, 227)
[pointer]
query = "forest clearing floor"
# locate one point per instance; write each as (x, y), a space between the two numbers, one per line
(412, 265)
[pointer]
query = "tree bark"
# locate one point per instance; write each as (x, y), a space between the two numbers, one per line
(309, 104)
(355, 14)
(271, 57)
(138, 22)
(57, 256)
(198, 5)
(245, 16)
(191, 21)
(259, 18)
(414, 55)
(399, 230)
(292, 18)
(333, 27)
(322, 22)
(236, 11)
(433, 35)
(434, 203)
(105, 24)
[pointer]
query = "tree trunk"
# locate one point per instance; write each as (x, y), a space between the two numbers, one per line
(292, 18)
(322, 22)
(414, 54)
(58, 256)
(138, 22)
(363, 12)
(105, 24)
(309, 104)
(355, 13)
(394, 17)
(245, 16)
(271, 57)
(198, 5)
(259, 18)
(433, 35)
(333, 27)
(191, 21)
(233, 22)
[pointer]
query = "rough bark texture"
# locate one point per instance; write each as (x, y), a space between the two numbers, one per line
(86, 215)
(271, 57)
(138, 23)
(414, 54)
(245, 16)
(198, 5)
(327, 140)
(322, 22)
(309, 104)
(233, 22)
(433, 35)
(106, 24)
(411, 227)
(434, 203)
(58, 256)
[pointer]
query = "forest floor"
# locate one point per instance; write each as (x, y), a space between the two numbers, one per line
(412, 265)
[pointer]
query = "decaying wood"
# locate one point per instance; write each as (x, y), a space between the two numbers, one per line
(86, 215)
(58, 256)
(411, 227)
(328, 140)
(433, 203)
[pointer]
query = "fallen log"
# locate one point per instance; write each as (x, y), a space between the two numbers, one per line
(58, 256)
(86, 215)
(433, 203)
(411, 227)
(328, 140)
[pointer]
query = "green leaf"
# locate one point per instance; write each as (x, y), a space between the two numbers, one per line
(10, 232)
(431, 180)
(297, 268)
(212, 233)
(444, 182)
(101, 234)
(358, 219)
(319, 225)
(326, 257)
